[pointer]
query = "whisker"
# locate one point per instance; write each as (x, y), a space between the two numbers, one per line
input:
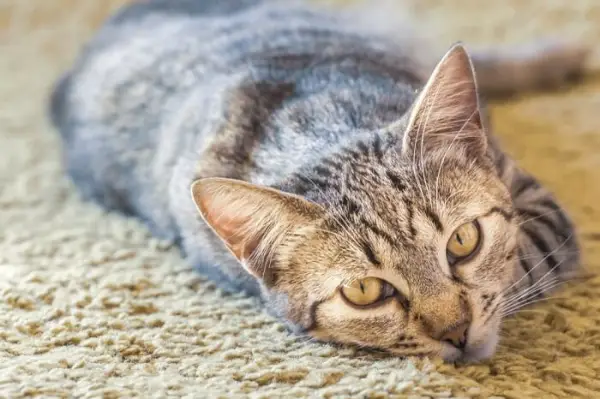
(536, 289)
(531, 310)
(538, 217)
(533, 256)
(533, 287)
(539, 263)
(540, 290)
(513, 311)
(531, 292)
(569, 280)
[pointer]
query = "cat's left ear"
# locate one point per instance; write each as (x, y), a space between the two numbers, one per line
(447, 111)
(255, 223)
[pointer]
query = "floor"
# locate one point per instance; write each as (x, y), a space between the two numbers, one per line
(90, 305)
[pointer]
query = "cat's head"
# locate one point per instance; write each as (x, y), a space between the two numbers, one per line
(410, 244)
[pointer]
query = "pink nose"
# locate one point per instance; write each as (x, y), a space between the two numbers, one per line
(456, 335)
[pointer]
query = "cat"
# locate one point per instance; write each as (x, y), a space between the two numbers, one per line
(345, 175)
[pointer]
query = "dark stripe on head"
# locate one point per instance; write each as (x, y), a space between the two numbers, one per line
(370, 254)
(377, 148)
(350, 205)
(362, 147)
(313, 183)
(397, 182)
(322, 171)
(376, 230)
(434, 219)
(333, 164)
(352, 155)
(411, 220)
(507, 215)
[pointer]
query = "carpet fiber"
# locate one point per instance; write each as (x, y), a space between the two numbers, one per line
(92, 306)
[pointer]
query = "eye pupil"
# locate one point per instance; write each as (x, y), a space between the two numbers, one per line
(459, 239)
(362, 287)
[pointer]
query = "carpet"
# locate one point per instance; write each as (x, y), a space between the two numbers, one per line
(92, 306)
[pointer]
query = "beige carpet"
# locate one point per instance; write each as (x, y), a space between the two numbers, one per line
(91, 306)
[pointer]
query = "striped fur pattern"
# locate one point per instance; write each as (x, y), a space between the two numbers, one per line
(290, 152)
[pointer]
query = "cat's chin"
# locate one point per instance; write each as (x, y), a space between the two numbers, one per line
(482, 351)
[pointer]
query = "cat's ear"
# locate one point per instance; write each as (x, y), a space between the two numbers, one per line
(252, 221)
(447, 111)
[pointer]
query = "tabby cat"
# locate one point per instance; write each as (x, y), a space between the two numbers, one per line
(329, 167)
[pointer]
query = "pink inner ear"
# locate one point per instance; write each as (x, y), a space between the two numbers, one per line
(231, 230)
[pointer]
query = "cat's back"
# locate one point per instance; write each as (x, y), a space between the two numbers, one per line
(154, 50)
(157, 79)
(148, 58)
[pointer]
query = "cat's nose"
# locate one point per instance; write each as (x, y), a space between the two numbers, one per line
(456, 335)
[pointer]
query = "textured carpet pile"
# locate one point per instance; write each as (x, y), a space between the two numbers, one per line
(92, 306)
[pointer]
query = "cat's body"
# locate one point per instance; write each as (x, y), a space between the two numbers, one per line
(301, 101)
(176, 79)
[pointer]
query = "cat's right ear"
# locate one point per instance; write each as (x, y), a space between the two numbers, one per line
(253, 222)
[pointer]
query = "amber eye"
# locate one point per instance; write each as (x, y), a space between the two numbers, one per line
(364, 292)
(464, 241)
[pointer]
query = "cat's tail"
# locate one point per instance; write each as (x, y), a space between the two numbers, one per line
(501, 70)
(537, 65)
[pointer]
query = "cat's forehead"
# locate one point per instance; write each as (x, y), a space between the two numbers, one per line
(397, 194)
(445, 169)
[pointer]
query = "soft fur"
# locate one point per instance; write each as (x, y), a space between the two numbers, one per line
(317, 152)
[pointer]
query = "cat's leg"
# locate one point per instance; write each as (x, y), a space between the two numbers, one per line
(548, 250)
(536, 65)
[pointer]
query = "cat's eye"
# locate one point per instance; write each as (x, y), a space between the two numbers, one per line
(366, 291)
(464, 241)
